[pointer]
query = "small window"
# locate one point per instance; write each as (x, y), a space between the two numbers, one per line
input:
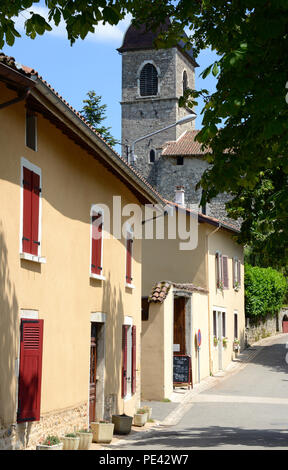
(180, 160)
(129, 257)
(129, 371)
(236, 273)
(31, 202)
(145, 309)
(152, 156)
(96, 268)
(31, 130)
(223, 324)
(235, 325)
(185, 81)
(148, 80)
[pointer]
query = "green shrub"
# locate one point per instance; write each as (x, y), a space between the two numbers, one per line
(265, 290)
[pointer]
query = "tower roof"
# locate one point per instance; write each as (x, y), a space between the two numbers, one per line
(139, 38)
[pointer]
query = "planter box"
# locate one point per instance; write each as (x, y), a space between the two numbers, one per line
(122, 424)
(85, 440)
(54, 447)
(70, 443)
(102, 432)
(140, 419)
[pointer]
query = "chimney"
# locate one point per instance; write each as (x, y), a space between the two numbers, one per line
(180, 195)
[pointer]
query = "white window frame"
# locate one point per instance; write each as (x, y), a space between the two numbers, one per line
(99, 210)
(129, 236)
(221, 310)
(236, 260)
(23, 255)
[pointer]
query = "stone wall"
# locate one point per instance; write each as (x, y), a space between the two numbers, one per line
(261, 328)
(25, 436)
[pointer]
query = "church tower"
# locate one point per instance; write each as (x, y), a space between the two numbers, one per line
(152, 82)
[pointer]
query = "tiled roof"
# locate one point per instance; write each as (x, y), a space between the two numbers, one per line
(162, 288)
(185, 145)
(29, 72)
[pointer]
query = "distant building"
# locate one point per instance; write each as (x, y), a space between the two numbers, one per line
(153, 80)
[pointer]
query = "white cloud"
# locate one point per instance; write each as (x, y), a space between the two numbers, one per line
(102, 33)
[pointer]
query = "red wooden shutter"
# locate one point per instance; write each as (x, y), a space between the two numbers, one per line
(133, 359)
(129, 261)
(30, 370)
(96, 267)
(225, 272)
(124, 360)
(27, 210)
(35, 213)
(31, 192)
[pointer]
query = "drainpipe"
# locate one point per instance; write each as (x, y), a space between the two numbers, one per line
(207, 268)
(16, 100)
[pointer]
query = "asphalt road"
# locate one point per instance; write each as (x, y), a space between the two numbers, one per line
(246, 411)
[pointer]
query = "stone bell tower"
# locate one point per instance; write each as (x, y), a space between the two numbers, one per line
(152, 82)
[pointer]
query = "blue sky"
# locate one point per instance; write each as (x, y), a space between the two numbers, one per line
(92, 64)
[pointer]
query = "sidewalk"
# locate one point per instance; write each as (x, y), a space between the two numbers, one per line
(170, 413)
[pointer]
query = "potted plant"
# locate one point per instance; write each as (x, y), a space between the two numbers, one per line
(236, 286)
(50, 443)
(148, 410)
(85, 439)
(236, 345)
(70, 441)
(224, 342)
(102, 431)
(221, 286)
(140, 418)
(122, 423)
(215, 341)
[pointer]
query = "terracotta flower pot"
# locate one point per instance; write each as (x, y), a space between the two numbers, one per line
(102, 432)
(122, 424)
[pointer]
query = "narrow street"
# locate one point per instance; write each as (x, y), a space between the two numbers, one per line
(248, 410)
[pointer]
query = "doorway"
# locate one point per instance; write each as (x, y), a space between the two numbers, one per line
(97, 369)
(179, 340)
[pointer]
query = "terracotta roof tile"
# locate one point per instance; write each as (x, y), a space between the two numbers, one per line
(162, 288)
(185, 145)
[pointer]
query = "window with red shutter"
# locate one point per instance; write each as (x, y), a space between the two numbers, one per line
(97, 243)
(30, 370)
(133, 359)
(31, 211)
(124, 360)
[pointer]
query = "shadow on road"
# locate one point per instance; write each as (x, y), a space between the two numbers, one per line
(213, 436)
(272, 356)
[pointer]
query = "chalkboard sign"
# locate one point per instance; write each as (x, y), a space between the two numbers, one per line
(182, 373)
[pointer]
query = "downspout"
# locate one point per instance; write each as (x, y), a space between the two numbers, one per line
(207, 268)
(16, 100)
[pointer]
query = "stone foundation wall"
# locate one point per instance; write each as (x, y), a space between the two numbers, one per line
(25, 436)
(262, 328)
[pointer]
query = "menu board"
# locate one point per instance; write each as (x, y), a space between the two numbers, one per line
(182, 369)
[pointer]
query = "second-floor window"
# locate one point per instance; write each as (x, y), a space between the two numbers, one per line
(31, 199)
(222, 276)
(31, 130)
(96, 241)
(236, 273)
(129, 256)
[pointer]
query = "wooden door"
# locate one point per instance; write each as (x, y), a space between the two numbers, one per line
(179, 326)
(93, 373)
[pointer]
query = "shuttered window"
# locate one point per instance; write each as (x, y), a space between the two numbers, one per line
(236, 273)
(30, 370)
(225, 272)
(222, 273)
(31, 205)
(148, 80)
(129, 255)
(133, 360)
(124, 360)
(96, 242)
(218, 259)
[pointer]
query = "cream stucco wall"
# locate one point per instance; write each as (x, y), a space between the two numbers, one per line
(61, 290)
(227, 300)
(200, 322)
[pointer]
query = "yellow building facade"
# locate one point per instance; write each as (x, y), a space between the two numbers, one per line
(50, 291)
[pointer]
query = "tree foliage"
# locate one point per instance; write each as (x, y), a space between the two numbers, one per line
(245, 122)
(94, 113)
(265, 290)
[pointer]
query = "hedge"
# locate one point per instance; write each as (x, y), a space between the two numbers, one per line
(265, 290)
